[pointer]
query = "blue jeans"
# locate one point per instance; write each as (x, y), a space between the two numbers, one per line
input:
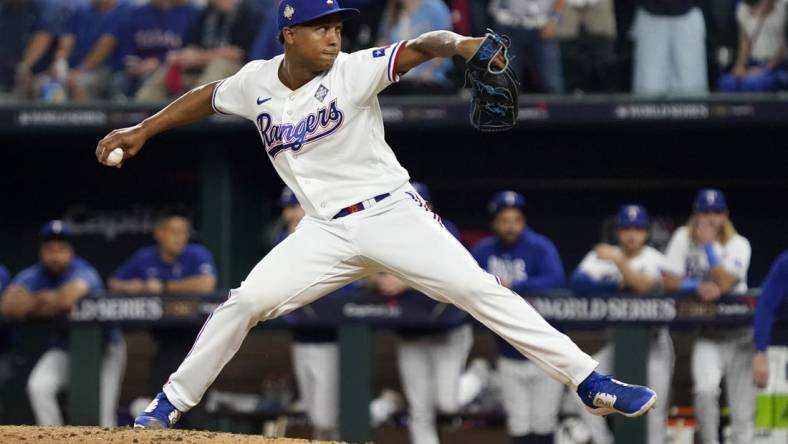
(670, 54)
(531, 54)
(767, 80)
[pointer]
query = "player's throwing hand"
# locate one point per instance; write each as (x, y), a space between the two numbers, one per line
(130, 140)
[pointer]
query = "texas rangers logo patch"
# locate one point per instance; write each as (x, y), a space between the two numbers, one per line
(288, 12)
(380, 52)
(321, 93)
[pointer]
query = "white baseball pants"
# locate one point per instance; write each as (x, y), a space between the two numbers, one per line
(730, 359)
(51, 374)
(431, 369)
(399, 236)
(316, 368)
(530, 398)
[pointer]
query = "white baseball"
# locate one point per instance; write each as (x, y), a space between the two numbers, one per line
(115, 157)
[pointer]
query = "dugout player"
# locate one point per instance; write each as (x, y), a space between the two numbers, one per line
(523, 261)
(173, 265)
(707, 256)
(634, 267)
(49, 289)
(770, 363)
(432, 359)
(318, 115)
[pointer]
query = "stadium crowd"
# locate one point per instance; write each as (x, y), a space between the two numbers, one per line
(152, 50)
(706, 257)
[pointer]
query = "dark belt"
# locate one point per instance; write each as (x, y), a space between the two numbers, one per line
(355, 208)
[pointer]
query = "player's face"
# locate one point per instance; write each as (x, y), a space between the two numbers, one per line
(632, 239)
(56, 255)
(317, 43)
(715, 220)
(172, 235)
(508, 225)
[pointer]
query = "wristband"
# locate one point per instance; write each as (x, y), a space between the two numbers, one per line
(711, 255)
(689, 284)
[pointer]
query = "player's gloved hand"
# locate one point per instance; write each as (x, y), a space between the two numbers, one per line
(494, 85)
(130, 139)
(760, 369)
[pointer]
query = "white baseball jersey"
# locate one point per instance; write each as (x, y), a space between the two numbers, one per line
(325, 139)
(649, 262)
(686, 258)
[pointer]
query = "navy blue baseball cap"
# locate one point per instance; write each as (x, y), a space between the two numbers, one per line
(632, 216)
(710, 201)
(297, 12)
(506, 199)
(423, 191)
(287, 198)
(55, 230)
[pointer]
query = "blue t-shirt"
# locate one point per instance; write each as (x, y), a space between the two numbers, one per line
(432, 15)
(772, 304)
(36, 278)
(153, 32)
(531, 263)
(88, 23)
(146, 263)
(5, 277)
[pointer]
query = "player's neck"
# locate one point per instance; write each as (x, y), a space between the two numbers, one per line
(167, 257)
(293, 74)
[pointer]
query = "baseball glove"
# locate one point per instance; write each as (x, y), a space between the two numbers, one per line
(495, 90)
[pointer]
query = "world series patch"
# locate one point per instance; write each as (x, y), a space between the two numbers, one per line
(321, 93)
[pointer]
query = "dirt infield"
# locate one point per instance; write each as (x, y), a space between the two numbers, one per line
(89, 435)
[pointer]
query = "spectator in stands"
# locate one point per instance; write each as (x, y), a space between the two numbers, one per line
(771, 346)
(49, 290)
(533, 27)
(78, 70)
(523, 261)
(146, 37)
(26, 37)
(432, 359)
(216, 48)
(670, 49)
(588, 35)
(708, 257)
(266, 44)
(760, 62)
(635, 267)
(171, 266)
(407, 19)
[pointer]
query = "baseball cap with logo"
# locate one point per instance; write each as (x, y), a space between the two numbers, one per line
(55, 230)
(632, 216)
(710, 201)
(506, 199)
(287, 198)
(297, 12)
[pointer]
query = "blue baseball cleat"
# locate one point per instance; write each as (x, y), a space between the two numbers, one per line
(160, 414)
(604, 395)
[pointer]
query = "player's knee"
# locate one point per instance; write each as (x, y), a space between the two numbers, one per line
(40, 387)
(706, 391)
(251, 303)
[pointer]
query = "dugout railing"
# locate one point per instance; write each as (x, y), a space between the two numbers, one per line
(629, 315)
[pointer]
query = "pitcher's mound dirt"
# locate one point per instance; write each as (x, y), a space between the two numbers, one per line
(90, 435)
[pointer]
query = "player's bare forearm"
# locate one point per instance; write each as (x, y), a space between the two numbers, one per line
(723, 278)
(191, 107)
(436, 44)
(17, 302)
(194, 284)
